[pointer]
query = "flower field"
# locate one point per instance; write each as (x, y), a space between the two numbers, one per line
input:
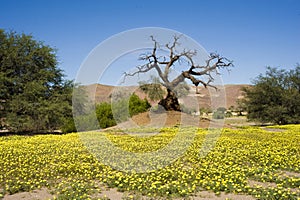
(251, 161)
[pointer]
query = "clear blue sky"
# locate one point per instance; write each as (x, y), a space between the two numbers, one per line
(253, 33)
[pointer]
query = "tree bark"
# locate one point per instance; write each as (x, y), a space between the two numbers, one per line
(170, 103)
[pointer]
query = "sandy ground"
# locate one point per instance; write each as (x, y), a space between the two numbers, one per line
(41, 194)
(113, 194)
(169, 119)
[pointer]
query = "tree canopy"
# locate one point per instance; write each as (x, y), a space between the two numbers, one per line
(34, 96)
(275, 97)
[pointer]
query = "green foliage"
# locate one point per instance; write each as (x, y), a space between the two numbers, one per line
(33, 95)
(119, 111)
(105, 115)
(228, 114)
(68, 126)
(81, 104)
(86, 122)
(83, 111)
(205, 110)
(221, 109)
(220, 113)
(154, 90)
(137, 105)
(187, 109)
(182, 89)
(275, 97)
(241, 106)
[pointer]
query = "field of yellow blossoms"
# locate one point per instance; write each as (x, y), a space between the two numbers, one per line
(242, 161)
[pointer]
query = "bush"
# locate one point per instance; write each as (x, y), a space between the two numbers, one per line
(218, 115)
(137, 105)
(86, 122)
(228, 114)
(111, 114)
(205, 110)
(222, 109)
(68, 126)
(105, 115)
(187, 110)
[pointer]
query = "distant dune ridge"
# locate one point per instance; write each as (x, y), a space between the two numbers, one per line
(103, 93)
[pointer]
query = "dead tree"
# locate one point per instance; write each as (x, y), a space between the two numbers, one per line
(194, 72)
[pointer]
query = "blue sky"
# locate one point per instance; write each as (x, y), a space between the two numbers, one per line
(253, 33)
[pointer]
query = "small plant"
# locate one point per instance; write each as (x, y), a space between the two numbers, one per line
(110, 114)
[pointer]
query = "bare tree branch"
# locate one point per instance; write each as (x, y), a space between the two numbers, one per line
(195, 73)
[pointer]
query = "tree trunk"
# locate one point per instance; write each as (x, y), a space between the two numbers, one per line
(197, 91)
(170, 103)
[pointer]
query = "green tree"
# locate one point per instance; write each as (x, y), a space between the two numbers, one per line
(105, 115)
(275, 97)
(137, 105)
(34, 96)
(83, 112)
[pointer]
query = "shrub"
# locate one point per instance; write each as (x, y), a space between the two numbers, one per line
(86, 122)
(68, 126)
(105, 115)
(228, 114)
(222, 109)
(186, 109)
(218, 115)
(137, 105)
(119, 111)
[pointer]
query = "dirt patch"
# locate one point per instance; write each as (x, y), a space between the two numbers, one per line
(237, 122)
(289, 174)
(169, 119)
(41, 194)
(111, 193)
(253, 183)
(205, 195)
(114, 194)
(273, 129)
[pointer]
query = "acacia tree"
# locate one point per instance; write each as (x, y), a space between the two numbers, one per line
(274, 97)
(196, 73)
(34, 97)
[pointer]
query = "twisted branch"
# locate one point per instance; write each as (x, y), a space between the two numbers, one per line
(194, 72)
